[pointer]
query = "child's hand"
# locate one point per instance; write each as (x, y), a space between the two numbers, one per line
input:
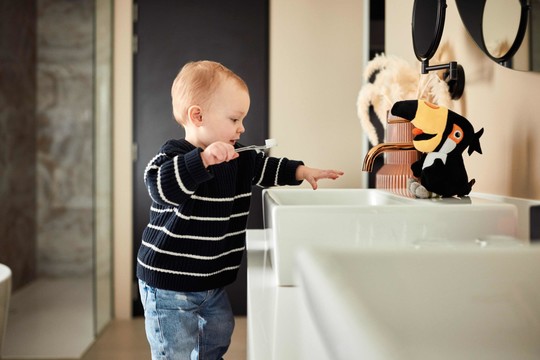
(218, 152)
(314, 175)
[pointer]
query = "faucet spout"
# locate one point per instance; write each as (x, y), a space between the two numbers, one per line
(385, 147)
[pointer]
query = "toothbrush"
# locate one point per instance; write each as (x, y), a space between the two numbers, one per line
(268, 144)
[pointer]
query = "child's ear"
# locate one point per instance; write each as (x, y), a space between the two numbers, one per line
(195, 115)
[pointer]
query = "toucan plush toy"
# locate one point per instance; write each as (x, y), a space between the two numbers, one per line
(441, 135)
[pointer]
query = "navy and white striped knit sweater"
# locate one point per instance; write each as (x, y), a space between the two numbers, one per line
(195, 239)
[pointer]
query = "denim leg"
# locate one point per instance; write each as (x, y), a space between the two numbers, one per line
(216, 325)
(171, 324)
(187, 325)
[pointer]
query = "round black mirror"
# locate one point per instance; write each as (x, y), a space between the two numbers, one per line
(497, 27)
(427, 27)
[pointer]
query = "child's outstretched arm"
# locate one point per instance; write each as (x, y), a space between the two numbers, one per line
(312, 175)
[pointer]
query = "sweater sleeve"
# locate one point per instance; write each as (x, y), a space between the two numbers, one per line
(271, 171)
(172, 177)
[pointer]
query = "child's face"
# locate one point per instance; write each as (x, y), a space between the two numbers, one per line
(222, 119)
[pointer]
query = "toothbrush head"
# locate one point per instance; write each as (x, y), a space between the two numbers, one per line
(270, 143)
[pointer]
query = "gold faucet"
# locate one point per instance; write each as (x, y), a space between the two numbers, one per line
(377, 149)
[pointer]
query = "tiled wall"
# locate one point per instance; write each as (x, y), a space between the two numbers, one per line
(17, 138)
(65, 137)
(46, 137)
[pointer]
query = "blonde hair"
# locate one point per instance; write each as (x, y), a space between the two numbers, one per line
(195, 84)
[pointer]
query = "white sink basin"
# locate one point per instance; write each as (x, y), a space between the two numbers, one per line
(424, 304)
(297, 218)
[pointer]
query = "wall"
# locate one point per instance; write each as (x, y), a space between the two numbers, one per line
(504, 102)
(46, 134)
(17, 139)
(122, 158)
(103, 142)
(316, 59)
(65, 137)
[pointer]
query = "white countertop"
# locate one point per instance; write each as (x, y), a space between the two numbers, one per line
(282, 326)
(498, 287)
(279, 325)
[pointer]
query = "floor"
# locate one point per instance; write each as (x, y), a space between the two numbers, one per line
(125, 340)
(50, 319)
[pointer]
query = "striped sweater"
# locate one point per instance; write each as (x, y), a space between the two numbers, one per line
(195, 239)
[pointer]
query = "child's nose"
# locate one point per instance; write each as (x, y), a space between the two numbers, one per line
(241, 128)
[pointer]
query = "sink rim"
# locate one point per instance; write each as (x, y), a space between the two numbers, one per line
(390, 198)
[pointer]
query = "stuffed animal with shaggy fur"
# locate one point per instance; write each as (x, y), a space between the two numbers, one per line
(389, 79)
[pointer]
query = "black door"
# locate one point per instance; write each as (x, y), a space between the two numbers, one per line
(169, 34)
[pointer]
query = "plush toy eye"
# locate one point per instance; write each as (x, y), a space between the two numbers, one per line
(457, 134)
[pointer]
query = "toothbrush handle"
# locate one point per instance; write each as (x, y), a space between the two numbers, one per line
(251, 147)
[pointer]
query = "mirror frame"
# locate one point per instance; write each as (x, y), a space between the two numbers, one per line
(435, 37)
(471, 13)
(431, 37)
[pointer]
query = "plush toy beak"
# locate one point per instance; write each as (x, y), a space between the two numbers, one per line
(405, 109)
(429, 122)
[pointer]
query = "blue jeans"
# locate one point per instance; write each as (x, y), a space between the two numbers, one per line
(187, 325)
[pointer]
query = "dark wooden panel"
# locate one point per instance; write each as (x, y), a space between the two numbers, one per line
(171, 33)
